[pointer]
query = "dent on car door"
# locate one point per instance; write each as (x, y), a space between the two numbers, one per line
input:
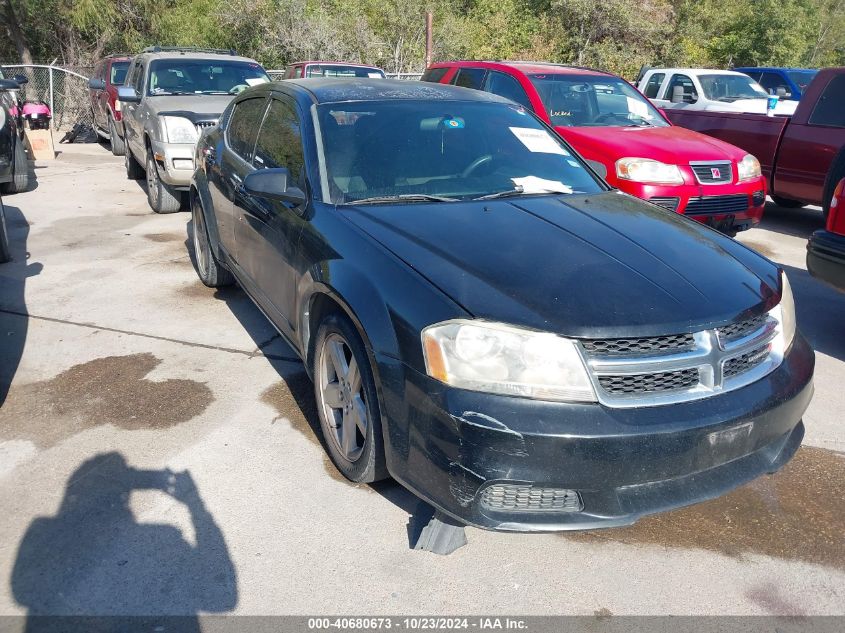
(270, 229)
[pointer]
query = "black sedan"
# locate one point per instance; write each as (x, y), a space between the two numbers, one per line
(484, 319)
(14, 169)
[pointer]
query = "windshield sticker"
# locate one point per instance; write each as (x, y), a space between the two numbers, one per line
(538, 141)
(254, 81)
(374, 75)
(533, 184)
(638, 108)
(455, 124)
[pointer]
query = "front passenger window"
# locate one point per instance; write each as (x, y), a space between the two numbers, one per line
(682, 90)
(280, 142)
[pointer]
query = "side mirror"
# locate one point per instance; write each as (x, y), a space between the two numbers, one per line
(9, 84)
(21, 79)
(781, 92)
(96, 84)
(677, 94)
(127, 94)
(272, 184)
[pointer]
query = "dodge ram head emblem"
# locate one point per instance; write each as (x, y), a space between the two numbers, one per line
(716, 173)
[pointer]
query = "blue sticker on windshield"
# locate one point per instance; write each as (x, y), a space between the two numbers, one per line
(455, 124)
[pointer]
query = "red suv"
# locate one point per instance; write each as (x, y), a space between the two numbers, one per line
(109, 74)
(626, 139)
(299, 70)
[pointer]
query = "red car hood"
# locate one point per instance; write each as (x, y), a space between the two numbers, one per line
(675, 145)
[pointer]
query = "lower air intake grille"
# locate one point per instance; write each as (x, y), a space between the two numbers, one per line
(747, 361)
(528, 498)
(649, 383)
(637, 346)
(717, 204)
(670, 204)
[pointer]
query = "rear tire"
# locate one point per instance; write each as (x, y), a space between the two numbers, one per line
(162, 197)
(786, 203)
(209, 269)
(134, 171)
(347, 401)
(5, 253)
(20, 173)
(118, 147)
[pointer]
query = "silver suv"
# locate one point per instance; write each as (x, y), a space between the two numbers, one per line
(170, 95)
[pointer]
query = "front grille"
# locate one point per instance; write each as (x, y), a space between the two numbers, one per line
(670, 204)
(635, 346)
(528, 498)
(717, 204)
(746, 362)
(649, 383)
(717, 173)
(740, 329)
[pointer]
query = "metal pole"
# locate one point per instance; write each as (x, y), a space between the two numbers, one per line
(52, 109)
(429, 18)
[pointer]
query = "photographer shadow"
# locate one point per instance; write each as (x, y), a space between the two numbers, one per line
(94, 558)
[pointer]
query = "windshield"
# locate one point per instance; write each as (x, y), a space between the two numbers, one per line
(802, 78)
(457, 150)
(587, 101)
(200, 76)
(118, 73)
(731, 87)
(339, 70)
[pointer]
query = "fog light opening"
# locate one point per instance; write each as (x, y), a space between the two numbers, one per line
(529, 498)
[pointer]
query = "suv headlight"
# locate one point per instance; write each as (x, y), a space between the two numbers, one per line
(648, 171)
(748, 168)
(502, 359)
(178, 129)
(784, 312)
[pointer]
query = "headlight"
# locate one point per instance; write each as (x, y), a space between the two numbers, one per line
(117, 105)
(178, 129)
(784, 312)
(748, 168)
(649, 171)
(2, 117)
(502, 359)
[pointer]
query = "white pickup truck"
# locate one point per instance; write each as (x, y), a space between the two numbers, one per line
(705, 89)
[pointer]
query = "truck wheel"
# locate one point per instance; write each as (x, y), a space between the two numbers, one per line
(20, 174)
(162, 198)
(5, 253)
(347, 403)
(209, 270)
(118, 147)
(786, 203)
(134, 171)
(836, 173)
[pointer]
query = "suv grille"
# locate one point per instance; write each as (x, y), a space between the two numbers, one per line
(648, 371)
(626, 346)
(715, 173)
(525, 497)
(717, 204)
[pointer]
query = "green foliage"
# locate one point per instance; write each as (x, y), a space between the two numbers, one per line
(617, 35)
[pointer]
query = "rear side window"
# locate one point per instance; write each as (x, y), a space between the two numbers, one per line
(653, 85)
(243, 126)
(507, 87)
(280, 142)
(297, 72)
(470, 78)
(434, 75)
(118, 73)
(829, 110)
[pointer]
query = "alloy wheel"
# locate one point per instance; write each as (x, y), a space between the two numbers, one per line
(342, 397)
(152, 180)
(201, 249)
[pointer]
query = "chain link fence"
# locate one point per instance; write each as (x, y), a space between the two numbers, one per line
(64, 89)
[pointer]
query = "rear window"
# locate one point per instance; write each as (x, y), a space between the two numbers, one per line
(118, 73)
(340, 70)
(434, 75)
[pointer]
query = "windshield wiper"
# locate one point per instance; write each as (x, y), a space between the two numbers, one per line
(507, 193)
(405, 197)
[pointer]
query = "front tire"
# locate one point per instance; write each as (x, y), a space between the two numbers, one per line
(209, 270)
(347, 402)
(162, 198)
(20, 173)
(118, 147)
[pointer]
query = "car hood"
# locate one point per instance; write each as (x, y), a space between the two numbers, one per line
(605, 265)
(671, 144)
(200, 106)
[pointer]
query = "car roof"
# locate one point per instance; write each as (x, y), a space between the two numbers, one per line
(741, 68)
(527, 67)
(360, 89)
(326, 61)
(695, 71)
(196, 55)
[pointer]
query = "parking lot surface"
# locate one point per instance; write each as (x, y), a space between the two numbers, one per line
(158, 454)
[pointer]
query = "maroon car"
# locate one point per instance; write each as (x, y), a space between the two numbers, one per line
(109, 73)
(803, 156)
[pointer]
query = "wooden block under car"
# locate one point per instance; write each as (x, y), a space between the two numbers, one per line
(41, 143)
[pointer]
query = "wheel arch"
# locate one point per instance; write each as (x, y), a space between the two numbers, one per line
(200, 193)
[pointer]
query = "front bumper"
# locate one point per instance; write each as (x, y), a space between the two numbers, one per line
(175, 162)
(448, 445)
(826, 257)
